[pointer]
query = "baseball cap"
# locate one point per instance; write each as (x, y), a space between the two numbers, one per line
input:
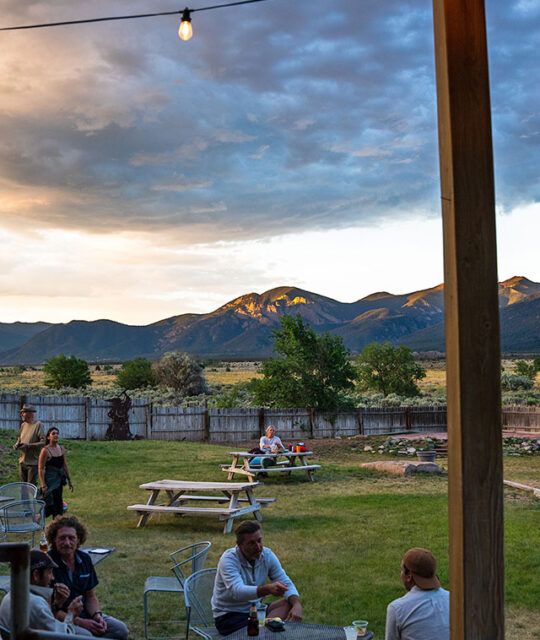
(422, 565)
(41, 560)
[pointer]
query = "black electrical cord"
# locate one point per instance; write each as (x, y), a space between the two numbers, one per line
(140, 15)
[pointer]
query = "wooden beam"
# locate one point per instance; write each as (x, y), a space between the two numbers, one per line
(472, 321)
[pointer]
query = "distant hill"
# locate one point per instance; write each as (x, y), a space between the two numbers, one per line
(242, 327)
(16, 333)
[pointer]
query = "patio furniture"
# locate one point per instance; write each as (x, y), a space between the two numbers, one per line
(198, 590)
(187, 561)
(22, 517)
(179, 500)
(242, 464)
(18, 490)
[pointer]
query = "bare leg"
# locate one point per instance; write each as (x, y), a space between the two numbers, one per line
(278, 609)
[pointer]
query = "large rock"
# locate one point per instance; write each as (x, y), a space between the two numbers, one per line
(403, 467)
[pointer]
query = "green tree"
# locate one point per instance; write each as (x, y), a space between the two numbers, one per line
(61, 371)
(180, 372)
(389, 369)
(312, 370)
(135, 374)
(523, 368)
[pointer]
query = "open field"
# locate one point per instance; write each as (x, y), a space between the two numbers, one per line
(341, 538)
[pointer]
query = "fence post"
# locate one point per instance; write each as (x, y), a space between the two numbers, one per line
(360, 420)
(261, 421)
(408, 418)
(311, 422)
(206, 419)
(149, 411)
(86, 412)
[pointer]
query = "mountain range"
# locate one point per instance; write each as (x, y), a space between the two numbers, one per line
(242, 328)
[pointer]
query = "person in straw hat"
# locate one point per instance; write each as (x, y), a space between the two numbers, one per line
(29, 444)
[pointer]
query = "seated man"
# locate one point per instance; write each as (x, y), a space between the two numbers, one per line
(270, 443)
(424, 612)
(241, 579)
(65, 534)
(41, 617)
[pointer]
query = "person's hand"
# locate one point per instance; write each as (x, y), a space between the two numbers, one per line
(44, 488)
(96, 628)
(61, 591)
(70, 485)
(295, 614)
(15, 447)
(75, 606)
(276, 588)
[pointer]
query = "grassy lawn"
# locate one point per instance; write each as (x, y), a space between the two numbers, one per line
(340, 538)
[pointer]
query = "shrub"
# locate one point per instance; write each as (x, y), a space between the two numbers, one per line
(61, 371)
(511, 382)
(178, 371)
(135, 374)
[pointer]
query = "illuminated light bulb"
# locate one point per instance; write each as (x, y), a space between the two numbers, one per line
(186, 30)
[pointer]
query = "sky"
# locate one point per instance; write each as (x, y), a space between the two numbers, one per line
(290, 142)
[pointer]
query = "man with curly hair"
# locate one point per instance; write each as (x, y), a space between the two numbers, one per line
(65, 534)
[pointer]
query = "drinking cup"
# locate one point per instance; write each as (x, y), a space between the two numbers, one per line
(261, 614)
(360, 626)
(350, 633)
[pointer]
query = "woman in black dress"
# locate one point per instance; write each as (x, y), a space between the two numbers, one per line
(53, 473)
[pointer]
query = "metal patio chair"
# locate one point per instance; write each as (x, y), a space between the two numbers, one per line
(198, 591)
(19, 490)
(22, 517)
(187, 561)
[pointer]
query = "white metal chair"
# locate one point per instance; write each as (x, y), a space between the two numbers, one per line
(22, 517)
(198, 590)
(19, 490)
(187, 561)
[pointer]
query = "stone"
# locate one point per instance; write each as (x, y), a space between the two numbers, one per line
(403, 467)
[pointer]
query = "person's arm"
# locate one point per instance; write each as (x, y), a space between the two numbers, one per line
(277, 573)
(40, 442)
(66, 469)
(295, 614)
(392, 631)
(43, 457)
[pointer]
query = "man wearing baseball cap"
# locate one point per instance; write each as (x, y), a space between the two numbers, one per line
(42, 597)
(29, 443)
(424, 612)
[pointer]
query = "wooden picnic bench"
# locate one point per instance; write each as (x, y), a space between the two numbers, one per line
(180, 500)
(242, 464)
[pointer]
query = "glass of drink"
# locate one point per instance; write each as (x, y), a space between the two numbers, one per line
(350, 633)
(360, 626)
(261, 614)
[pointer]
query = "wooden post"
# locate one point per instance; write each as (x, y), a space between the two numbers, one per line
(261, 422)
(206, 422)
(472, 322)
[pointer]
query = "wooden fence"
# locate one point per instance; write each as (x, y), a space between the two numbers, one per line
(87, 419)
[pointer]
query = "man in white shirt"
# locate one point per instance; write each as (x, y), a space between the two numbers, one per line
(41, 598)
(424, 612)
(241, 578)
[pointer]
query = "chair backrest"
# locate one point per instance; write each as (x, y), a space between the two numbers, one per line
(189, 560)
(23, 515)
(19, 490)
(198, 590)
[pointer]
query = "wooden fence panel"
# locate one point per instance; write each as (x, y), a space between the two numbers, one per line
(424, 419)
(10, 406)
(384, 420)
(233, 425)
(521, 418)
(67, 413)
(336, 425)
(290, 424)
(178, 423)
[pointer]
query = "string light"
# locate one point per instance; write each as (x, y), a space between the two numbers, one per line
(185, 31)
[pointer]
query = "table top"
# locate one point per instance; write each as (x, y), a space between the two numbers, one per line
(4, 499)
(289, 454)
(97, 554)
(190, 485)
(293, 631)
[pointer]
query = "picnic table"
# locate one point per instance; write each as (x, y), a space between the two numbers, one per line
(180, 500)
(242, 464)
